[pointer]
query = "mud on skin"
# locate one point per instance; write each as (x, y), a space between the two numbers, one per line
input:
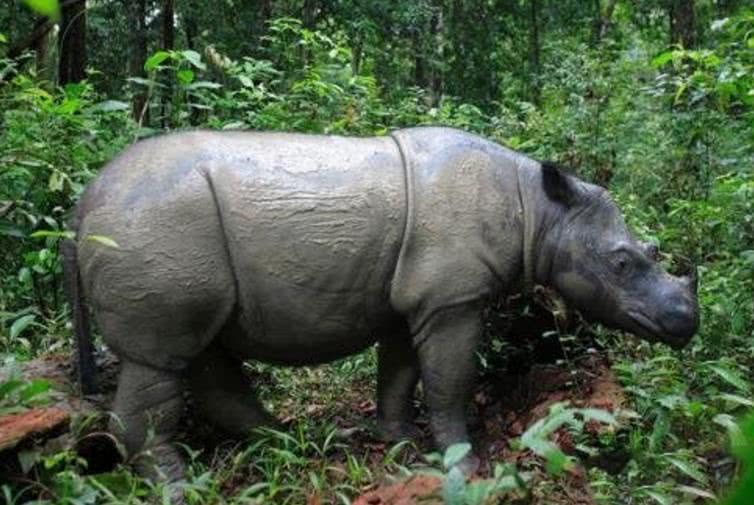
(301, 249)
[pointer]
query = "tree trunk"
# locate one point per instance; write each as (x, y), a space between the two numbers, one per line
(356, 54)
(37, 40)
(438, 28)
(602, 20)
(420, 66)
(168, 42)
(682, 23)
(191, 30)
(72, 42)
(168, 25)
(41, 46)
(264, 13)
(138, 55)
(534, 49)
(311, 9)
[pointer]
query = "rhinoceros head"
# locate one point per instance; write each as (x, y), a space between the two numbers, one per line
(601, 269)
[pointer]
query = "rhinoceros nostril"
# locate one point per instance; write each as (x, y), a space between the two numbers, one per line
(682, 321)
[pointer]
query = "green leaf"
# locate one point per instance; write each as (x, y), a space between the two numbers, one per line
(478, 491)
(20, 324)
(194, 58)
(738, 400)
(34, 388)
(660, 498)
(599, 415)
(11, 230)
(155, 60)
(101, 239)
(557, 461)
(49, 8)
(660, 429)
(185, 76)
(688, 468)
(205, 84)
(111, 106)
(453, 487)
(3, 39)
(730, 376)
(53, 233)
(28, 459)
(8, 386)
(455, 453)
(56, 181)
(717, 24)
(695, 491)
(662, 58)
(141, 81)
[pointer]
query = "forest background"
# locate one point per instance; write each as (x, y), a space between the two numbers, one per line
(651, 99)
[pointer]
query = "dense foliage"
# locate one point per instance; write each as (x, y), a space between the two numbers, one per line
(662, 117)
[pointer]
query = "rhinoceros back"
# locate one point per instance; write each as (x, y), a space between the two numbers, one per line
(313, 226)
(294, 237)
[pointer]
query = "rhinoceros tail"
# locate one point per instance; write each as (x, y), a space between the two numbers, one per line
(85, 366)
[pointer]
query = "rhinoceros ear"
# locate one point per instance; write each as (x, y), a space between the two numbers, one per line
(557, 185)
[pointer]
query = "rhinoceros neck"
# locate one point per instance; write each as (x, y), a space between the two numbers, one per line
(540, 218)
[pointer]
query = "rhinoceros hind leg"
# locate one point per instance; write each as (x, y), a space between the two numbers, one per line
(397, 375)
(148, 406)
(224, 394)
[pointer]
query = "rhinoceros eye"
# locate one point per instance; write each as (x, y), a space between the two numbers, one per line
(621, 262)
(653, 252)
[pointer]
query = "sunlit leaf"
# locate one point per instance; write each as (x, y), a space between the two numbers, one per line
(194, 58)
(455, 453)
(695, 491)
(453, 487)
(155, 60)
(27, 459)
(101, 239)
(49, 8)
(205, 84)
(659, 497)
(111, 105)
(662, 58)
(730, 376)
(20, 324)
(53, 233)
(33, 389)
(717, 24)
(185, 76)
(688, 468)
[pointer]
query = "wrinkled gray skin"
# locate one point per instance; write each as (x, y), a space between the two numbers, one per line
(300, 249)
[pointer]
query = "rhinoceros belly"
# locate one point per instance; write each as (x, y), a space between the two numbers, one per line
(313, 227)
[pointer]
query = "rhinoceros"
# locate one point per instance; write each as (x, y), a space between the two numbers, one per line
(299, 249)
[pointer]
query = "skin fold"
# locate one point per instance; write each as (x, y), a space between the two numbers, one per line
(301, 249)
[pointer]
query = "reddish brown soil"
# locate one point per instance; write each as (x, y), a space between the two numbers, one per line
(33, 423)
(504, 415)
(419, 488)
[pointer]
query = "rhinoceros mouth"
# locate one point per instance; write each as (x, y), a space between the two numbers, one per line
(650, 330)
(646, 328)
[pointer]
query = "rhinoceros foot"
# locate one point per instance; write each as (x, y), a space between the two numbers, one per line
(396, 431)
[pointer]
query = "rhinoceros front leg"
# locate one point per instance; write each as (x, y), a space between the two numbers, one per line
(447, 347)
(397, 375)
(224, 394)
(148, 405)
